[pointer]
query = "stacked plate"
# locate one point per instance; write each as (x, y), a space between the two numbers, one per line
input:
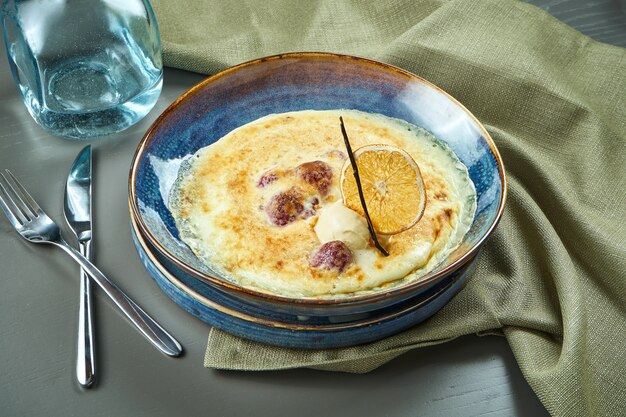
(291, 82)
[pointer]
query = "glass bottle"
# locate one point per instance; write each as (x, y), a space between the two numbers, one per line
(84, 68)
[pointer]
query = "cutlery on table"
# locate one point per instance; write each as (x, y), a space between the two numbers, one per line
(30, 221)
(77, 210)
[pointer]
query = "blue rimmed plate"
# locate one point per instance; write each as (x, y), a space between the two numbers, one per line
(302, 81)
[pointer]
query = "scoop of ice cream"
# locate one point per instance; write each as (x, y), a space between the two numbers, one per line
(338, 222)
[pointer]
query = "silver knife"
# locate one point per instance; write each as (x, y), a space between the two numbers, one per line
(77, 209)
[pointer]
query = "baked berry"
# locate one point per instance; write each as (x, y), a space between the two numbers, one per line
(266, 179)
(285, 207)
(332, 255)
(318, 174)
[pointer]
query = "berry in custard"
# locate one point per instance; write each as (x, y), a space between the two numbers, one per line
(285, 207)
(316, 173)
(332, 255)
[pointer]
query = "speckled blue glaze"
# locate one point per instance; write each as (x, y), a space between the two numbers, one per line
(317, 335)
(315, 81)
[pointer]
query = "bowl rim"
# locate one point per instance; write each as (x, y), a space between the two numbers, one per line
(399, 291)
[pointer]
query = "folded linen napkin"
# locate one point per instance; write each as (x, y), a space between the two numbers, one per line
(552, 278)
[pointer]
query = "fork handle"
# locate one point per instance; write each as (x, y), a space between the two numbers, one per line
(146, 325)
(85, 358)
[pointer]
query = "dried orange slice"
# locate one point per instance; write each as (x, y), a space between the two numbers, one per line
(392, 186)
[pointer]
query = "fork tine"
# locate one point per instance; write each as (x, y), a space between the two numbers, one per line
(16, 200)
(24, 195)
(15, 216)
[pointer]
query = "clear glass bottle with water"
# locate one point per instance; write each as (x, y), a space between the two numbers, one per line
(84, 68)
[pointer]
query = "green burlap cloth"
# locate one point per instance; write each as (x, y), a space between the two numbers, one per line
(552, 278)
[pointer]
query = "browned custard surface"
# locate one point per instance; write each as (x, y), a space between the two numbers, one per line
(248, 204)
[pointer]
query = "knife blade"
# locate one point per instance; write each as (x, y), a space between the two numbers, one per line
(77, 210)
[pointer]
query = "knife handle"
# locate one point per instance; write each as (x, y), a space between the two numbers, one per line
(146, 325)
(85, 358)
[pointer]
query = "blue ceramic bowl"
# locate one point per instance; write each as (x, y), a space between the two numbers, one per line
(241, 319)
(303, 81)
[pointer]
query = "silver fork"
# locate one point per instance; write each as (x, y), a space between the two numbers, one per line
(30, 221)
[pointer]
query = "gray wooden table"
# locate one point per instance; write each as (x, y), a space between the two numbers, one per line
(39, 301)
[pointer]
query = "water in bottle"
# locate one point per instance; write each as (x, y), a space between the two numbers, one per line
(84, 68)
